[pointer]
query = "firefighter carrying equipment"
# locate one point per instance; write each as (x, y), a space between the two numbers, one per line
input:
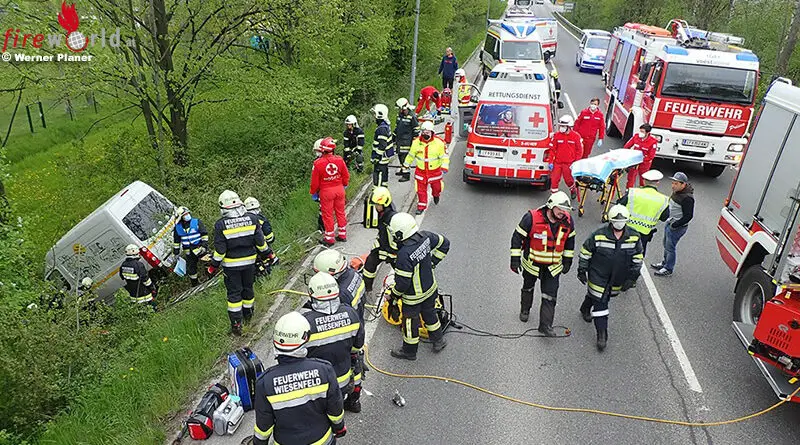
(645, 205)
(379, 196)
(446, 379)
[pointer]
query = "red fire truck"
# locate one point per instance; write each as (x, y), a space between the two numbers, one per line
(758, 236)
(693, 86)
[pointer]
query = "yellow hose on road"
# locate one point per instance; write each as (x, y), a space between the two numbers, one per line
(577, 410)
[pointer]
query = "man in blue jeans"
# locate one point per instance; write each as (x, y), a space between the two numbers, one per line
(681, 211)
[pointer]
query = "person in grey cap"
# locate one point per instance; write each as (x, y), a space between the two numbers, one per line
(681, 211)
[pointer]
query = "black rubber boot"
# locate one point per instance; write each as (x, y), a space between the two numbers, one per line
(547, 311)
(439, 345)
(403, 354)
(436, 200)
(247, 314)
(405, 177)
(526, 301)
(194, 281)
(602, 339)
(236, 329)
(353, 402)
(586, 310)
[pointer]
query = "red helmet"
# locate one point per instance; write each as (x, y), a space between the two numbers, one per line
(328, 145)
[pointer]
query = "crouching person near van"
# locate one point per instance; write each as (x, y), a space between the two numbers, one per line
(137, 282)
(190, 235)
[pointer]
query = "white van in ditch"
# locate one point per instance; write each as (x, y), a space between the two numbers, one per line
(95, 247)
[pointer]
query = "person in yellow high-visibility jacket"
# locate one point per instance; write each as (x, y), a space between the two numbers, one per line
(433, 161)
(464, 89)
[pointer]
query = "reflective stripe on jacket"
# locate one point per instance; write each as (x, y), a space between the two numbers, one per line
(645, 205)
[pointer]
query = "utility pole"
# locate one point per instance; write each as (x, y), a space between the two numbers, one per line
(411, 95)
(488, 7)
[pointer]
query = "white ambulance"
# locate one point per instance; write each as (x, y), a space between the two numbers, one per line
(510, 131)
(528, 39)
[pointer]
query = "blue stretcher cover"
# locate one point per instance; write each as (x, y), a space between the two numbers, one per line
(601, 166)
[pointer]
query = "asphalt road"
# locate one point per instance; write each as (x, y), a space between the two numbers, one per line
(639, 373)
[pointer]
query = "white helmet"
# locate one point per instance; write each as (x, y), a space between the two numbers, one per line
(402, 103)
(402, 226)
(132, 251)
(566, 120)
(351, 120)
(426, 126)
(380, 111)
(652, 175)
(330, 261)
(323, 287)
(229, 200)
(559, 199)
(317, 148)
(618, 213)
(291, 333)
(461, 73)
(86, 283)
(252, 204)
(181, 211)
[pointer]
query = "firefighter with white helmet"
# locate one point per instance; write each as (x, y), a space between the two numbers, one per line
(383, 248)
(382, 146)
(329, 177)
(351, 283)
(566, 147)
(429, 153)
(353, 141)
(415, 282)
(283, 405)
(137, 282)
(253, 206)
(238, 244)
(406, 129)
(337, 334)
(610, 262)
(190, 235)
(543, 246)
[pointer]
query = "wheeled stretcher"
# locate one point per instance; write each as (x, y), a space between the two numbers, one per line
(601, 174)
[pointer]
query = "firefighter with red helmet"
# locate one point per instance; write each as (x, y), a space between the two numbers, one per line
(591, 125)
(430, 154)
(566, 147)
(329, 177)
(543, 246)
(647, 144)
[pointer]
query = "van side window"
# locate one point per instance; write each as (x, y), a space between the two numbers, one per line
(488, 46)
(149, 216)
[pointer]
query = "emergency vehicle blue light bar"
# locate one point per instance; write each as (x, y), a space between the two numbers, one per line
(747, 57)
(493, 74)
(519, 31)
(676, 50)
(538, 76)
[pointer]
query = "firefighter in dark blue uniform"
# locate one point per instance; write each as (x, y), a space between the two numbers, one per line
(263, 267)
(190, 235)
(383, 248)
(238, 244)
(353, 141)
(337, 335)
(406, 129)
(415, 282)
(298, 401)
(351, 284)
(137, 282)
(382, 146)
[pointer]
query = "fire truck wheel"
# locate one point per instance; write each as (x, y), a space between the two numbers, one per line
(713, 171)
(753, 290)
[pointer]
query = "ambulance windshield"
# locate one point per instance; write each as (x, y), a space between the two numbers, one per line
(524, 122)
(523, 2)
(710, 83)
(521, 51)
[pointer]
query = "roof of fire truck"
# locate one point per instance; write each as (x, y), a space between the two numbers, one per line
(527, 79)
(695, 46)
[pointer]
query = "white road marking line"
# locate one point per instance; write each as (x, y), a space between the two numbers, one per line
(669, 329)
(569, 102)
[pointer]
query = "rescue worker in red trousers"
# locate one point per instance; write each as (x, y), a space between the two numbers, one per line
(191, 236)
(430, 154)
(591, 125)
(566, 147)
(415, 282)
(647, 144)
(336, 333)
(329, 177)
(384, 248)
(138, 284)
(298, 401)
(238, 244)
(543, 244)
(263, 267)
(353, 141)
(610, 262)
(428, 96)
(406, 128)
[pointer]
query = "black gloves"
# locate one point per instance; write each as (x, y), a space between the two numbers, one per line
(567, 263)
(515, 263)
(582, 276)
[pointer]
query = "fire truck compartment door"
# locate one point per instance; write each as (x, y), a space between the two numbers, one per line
(623, 72)
(779, 204)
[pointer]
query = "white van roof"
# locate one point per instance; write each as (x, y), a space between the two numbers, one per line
(518, 82)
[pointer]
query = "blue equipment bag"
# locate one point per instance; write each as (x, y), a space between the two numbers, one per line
(244, 368)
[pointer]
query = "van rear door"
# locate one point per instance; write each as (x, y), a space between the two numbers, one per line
(151, 220)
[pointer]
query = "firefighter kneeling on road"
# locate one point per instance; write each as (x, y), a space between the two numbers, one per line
(610, 261)
(337, 335)
(430, 154)
(298, 400)
(415, 283)
(137, 282)
(263, 267)
(329, 177)
(383, 248)
(543, 244)
(192, 237)
(238, 244)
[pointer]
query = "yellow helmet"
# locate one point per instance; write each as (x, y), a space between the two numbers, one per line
(381, 196)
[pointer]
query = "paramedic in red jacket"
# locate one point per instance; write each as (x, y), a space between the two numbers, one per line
(591, 125)
(329, 177)
(428, 96)
(647, 144)
(566, 147)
